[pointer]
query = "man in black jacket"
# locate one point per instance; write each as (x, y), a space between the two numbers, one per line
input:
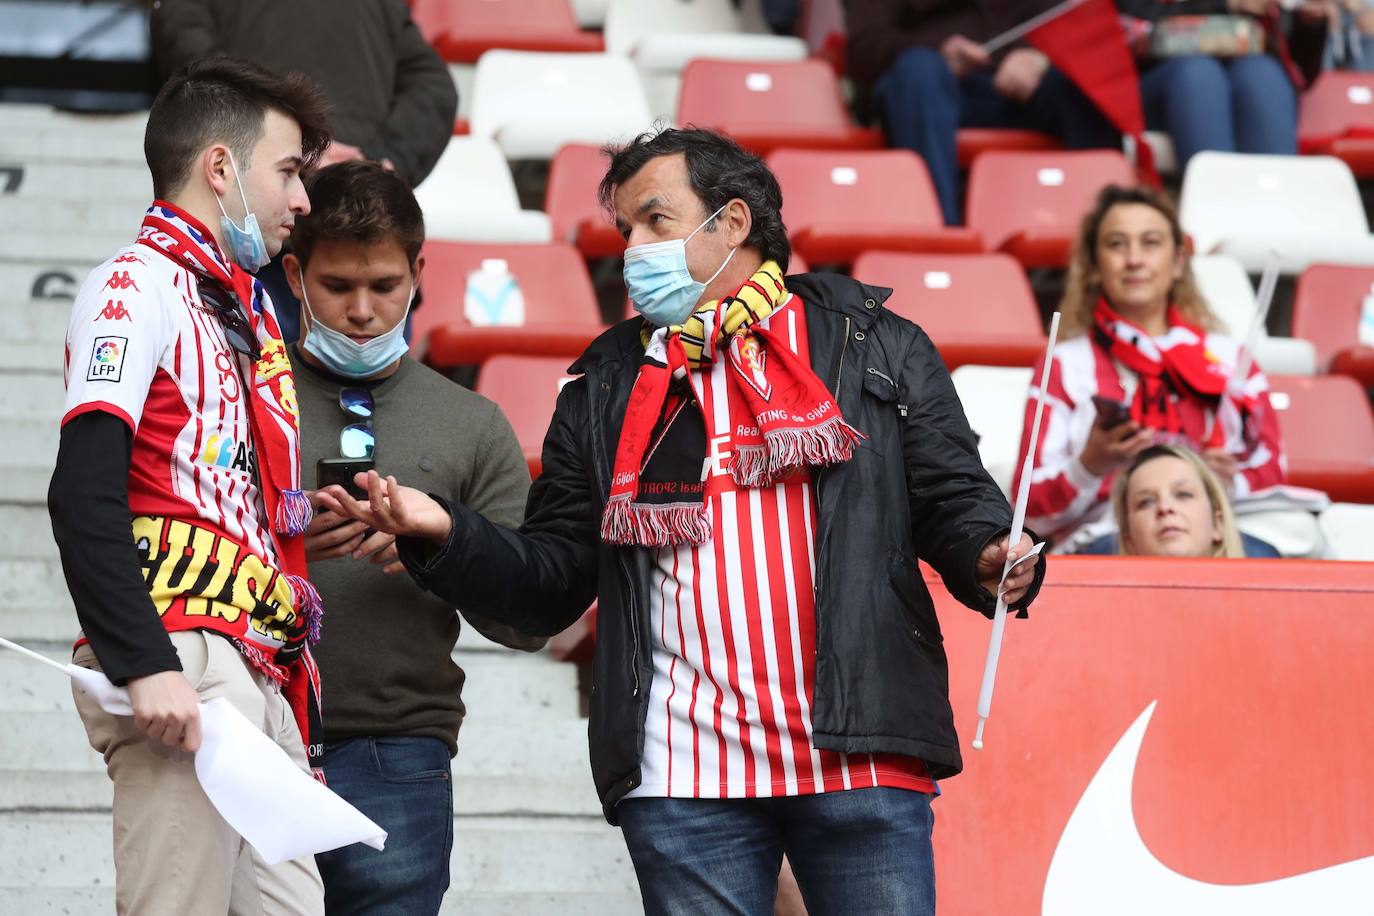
(745, 480)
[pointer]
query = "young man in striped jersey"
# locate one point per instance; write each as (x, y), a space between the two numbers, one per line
(176, 501)
(745, 477)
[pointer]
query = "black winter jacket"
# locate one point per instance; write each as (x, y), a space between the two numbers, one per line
(914, 488)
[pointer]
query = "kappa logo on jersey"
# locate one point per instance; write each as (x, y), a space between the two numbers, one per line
(114, 311)
(107, 359)
(226, 452)
(120, 279)
(130, 259)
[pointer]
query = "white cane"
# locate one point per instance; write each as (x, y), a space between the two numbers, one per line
(1018, 518)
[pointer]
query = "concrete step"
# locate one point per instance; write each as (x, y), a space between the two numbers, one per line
(127, 183)
(29, 395)
(51, 280)
(64, 243)
(83, 901)
(35, 321)
(34, 137)
(31, 443)
(536, 858)
(98, 215)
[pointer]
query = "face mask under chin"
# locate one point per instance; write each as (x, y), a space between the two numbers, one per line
(343, 355)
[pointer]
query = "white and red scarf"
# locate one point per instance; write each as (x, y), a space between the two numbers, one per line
(657, 494)
(275, 424)
(1175, 365)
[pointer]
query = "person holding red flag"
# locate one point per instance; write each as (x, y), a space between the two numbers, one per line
(930, 74)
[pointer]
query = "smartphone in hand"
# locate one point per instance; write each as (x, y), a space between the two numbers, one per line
(341, 471)
(1110, 413)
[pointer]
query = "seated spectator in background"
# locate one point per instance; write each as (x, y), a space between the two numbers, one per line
(395, 694)
(1351, 45)
(1245, 103)
(1140, 340)
(391, 96)
(926, 66)
(1168, 503)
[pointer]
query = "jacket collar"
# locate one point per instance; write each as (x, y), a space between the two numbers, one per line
(825, 290)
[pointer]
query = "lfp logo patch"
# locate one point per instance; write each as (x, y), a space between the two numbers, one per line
(107, 359)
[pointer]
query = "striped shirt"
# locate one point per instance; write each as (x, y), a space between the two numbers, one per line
(734, 635)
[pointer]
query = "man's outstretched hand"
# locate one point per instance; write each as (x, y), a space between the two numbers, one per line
(390, 508)
(990, 563)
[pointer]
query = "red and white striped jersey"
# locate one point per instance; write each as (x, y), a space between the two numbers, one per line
(734, 635)
(1067, 501)
(140, 345)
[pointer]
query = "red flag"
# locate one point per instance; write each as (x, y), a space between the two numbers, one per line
(1087, 44)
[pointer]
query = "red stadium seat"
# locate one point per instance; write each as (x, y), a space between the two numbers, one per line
(1030, 204)
(1328, 434)
(561, 313)
(839, 204)
(766, 105)
(977, 308)
(570, 201)
(461, 30)
(972, 142)
(526, 389)
(1326, 311)
(1339, 105)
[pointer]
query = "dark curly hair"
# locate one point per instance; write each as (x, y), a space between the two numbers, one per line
(358, 201)
(719, 171)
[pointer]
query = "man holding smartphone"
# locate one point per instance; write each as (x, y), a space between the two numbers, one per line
(395, 707)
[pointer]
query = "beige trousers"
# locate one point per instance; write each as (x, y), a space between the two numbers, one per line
(174, 855)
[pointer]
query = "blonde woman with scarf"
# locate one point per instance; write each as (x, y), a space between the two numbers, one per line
(1143, 365)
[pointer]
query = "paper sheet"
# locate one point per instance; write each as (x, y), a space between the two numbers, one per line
(236, 764)
(1030, 555)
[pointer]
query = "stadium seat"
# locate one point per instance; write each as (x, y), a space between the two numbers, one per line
(463, 30)
(972, 142)
(531, 104)
(1328, 434)
(766, 105)
(662, 36)
(560, 312)
(470, 197)
(1326, 310)
(994, 399)
(1337, 119)
(526, 389)
(590, 14)
(1225, 286)
(977, 308)
(571, 202)
(837, 204)
(1347, 528)
(1030, 204)
(1306, 208)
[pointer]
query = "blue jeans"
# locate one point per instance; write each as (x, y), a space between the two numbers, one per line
(1245, 105)
(861, 851)
(404, 784)
(924, 105)
(1253, 546)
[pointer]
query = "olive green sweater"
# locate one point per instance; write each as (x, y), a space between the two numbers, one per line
(385, 656)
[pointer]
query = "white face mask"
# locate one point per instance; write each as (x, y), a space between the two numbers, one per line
(660, 285)
(343, 355)
(246, 245)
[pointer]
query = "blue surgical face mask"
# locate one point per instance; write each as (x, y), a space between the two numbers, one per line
(343, 355)
(661, 286)
(246, 246)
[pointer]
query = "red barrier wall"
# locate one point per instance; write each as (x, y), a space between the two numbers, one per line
(1257, 762)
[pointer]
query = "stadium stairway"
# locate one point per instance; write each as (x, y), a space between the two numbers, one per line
(528, 832)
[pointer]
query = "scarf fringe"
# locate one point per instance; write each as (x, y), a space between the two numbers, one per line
(787, 449)
(259, 659)
(308, 604)
(628, 523)
(294, 513)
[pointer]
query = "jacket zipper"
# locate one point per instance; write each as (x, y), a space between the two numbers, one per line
(901, 408)
(634, 622)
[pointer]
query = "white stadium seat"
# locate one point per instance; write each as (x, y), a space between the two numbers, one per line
(1305, 207)
(470, 197)
(994, 399)
(663, 36)
(1223, 283)
(1349, 531)
(532, 103)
